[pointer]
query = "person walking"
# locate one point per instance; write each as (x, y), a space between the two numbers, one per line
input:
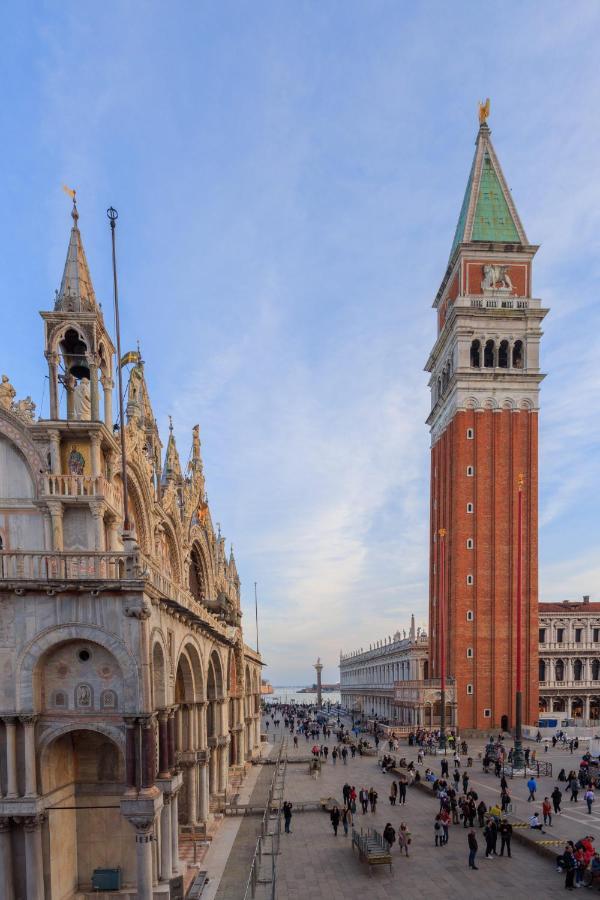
(389, 834)
(589, 798)
(505, 837)
(402, 791)
(437, 831)
(532, 788)
(335, 819)
(481, 812)
(445, 820)
(547, 812)
(465, 781)
(363, 796)
(393, 793)
(570, 866)
(334, 755)
(404, 838)
(346, 820)
(345, 755)
(574, 788)
(473, 847)
(444, 765)
(287, 816)
(488, 833)
(556, 798)
(373, 799)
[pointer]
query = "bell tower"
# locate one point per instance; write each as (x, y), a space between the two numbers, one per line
(485, 381)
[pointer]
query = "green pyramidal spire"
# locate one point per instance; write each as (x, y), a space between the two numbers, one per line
(488, 213)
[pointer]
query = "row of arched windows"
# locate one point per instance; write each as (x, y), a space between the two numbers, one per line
(497, 356)
(559, 670)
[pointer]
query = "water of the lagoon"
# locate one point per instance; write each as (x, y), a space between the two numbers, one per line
(286, 694)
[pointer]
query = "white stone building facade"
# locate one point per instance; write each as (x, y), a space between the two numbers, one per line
(128, 697)
(368, 677)
(569, 660)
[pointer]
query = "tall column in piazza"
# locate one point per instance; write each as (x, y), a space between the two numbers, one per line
(485, 382)
(319, 668)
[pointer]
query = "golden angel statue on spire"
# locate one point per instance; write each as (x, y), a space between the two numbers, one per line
(484, 111)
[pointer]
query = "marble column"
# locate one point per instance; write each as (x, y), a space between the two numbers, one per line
(213, 771)
(55, 508)
(6, 867)
(70, 383)
(144, 836)
(586, 708)
(171, 738)
(11, 756)
(223, 767)
(97, 510)
(166, 839)
(130, 752)
(192, 793)
(175, 832)
(204, 799)
(94, 398)
(95, 455)
(34, 864)
(53, 380)
(107, 387)
(28, 723)
(54, 437)
(163, 743)
(148, 752)
(239, 761)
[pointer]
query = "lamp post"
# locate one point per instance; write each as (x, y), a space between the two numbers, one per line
(518, 758)
(442, 641)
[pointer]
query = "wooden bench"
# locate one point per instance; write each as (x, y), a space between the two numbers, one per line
(372, 848)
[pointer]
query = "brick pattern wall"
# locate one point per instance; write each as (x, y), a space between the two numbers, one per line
(504, 444)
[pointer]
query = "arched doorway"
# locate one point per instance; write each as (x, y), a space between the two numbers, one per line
(504, 723)
(84, 770)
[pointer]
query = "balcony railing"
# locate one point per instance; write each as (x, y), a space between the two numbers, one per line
(50, 567)
(72, 487)
(563, 646)
(585, 684)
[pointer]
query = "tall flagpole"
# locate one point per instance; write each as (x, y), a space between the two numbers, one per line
(256, 615)
(442, 630)
(113, 216)
(518, 758)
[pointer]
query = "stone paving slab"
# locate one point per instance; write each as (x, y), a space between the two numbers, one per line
(315, 864)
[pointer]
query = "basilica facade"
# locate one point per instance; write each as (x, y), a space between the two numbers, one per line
(129, 700)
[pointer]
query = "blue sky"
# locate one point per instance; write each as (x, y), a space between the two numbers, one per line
(288, 178)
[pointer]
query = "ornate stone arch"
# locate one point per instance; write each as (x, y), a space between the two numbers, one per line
(160, 679)
(57, 730)
(27, 687)
(59, 331)
(215, 677)
(15, 431)
(173, 546)
(200, 575)
(193, 652)
(141, 508)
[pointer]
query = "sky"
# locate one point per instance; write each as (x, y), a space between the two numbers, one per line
(288, 177)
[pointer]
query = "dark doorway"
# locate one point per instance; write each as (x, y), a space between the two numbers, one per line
(504, 723)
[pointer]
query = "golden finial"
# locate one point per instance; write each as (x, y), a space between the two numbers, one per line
(520, 481)
(484, 111)
(442, 532)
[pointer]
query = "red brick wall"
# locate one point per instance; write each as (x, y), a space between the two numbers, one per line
(518, 272)
(504, 445)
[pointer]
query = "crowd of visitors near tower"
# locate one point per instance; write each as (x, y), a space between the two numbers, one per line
(487, 826)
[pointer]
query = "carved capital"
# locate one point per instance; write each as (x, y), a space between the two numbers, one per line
(32, 823)
(55, 508)
(9, 720)
(97, 508)
(142, 824)
(28, 719)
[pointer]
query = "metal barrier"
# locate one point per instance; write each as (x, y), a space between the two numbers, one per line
(263, 869)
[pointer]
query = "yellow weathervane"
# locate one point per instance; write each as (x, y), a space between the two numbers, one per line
(69, 191)
(484, 111)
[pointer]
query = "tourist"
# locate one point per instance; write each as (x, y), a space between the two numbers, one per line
(473, 847)
(335, 819)
(404, 838)
(445, 820)
(556, 798)
(490, 834)
(437, 831)
(353, 799)
(287, 815)
(346, 793)
(444, 765)
(465, 781)
(505, 837)
(389, 834)
(373, 799)
(589, 798)
(573, 786)
(346, 820)
(547, 812)
(334, 755)
(402, 791)
(532, 788)
(363, 797)
(481, 813)
(393, 793)
(345, 755)
(569, 865)
(534, 822)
